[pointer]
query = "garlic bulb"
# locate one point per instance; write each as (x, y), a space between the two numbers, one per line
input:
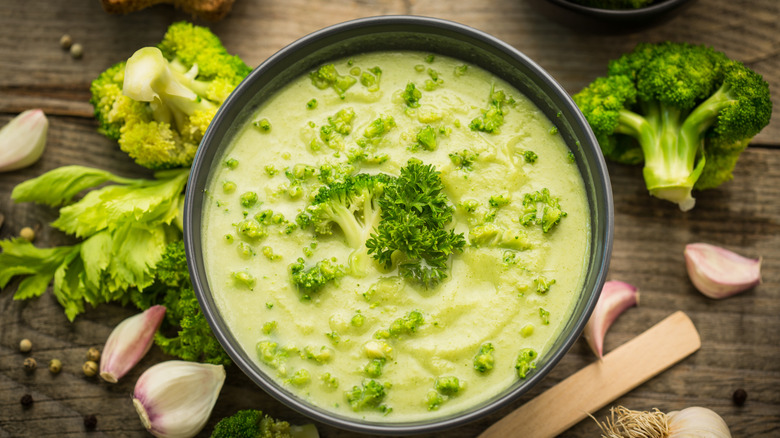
(693, 422)
(616, 297)
(174, 399)
(23, 140)
(720, 273)
(129, 342)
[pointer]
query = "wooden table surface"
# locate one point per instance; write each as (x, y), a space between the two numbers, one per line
(740, 335)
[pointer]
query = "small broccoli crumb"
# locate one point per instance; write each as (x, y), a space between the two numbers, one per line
(368, 396)
(329, 382)
(248, 199)
(426, 138)
(430, 58)
(229, 238)
(570, 156)
(483, 361)
(302, 377)
(524, 362)
(269, 327)
(433, 400)
(493, 117)
(407, 325)
(541, 208)
(312, 104)
(231, 163)
(464, 159)
(244, 279)
(264, 125)
(545, 315)
(448, 385)
(411, 95)
(327, 76)
(530, 156)
(543, 284)
(268, 252)
(527, 330)
(251, 229)
(374, 367)
(554, 130)
(460, 70)
(228, 187)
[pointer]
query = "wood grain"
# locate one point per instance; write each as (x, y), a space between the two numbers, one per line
(740, 335)
(593, 387)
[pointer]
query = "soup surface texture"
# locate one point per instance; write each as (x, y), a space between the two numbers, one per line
(408, 336)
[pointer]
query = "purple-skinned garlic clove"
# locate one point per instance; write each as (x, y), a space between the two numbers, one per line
(129, 342)
(174, 399)
(23, 140)
(719, 273)
(616, 297)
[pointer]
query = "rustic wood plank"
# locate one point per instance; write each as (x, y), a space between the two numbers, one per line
(739, 335)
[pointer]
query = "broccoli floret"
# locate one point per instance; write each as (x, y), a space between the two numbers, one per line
(687, 111)
(374, 367)
(368, 396)
(493, 117)
(448, 385)
(158, 103)
(426, 138)
(252, 423)
(414, 214)
(328, 77)
(433, 400)
(406, 325)
(353, 206)
(411, 95)
(483, 361)
(525, 362)
(464, 159)
(541, 208)
(185, 332)
(311, 280)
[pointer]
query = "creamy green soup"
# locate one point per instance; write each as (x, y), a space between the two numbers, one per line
(370, 342)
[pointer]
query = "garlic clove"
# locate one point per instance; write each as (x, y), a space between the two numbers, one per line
(616, 297)
(719, 273)
(23, 140)
(697, 421)
(129, 342)
(174, 399)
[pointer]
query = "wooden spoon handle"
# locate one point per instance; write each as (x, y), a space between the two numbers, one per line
(601, 382)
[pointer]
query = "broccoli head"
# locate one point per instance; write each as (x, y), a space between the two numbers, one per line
(158, 103)
(687, 111)
(352, 205)
(250, 423)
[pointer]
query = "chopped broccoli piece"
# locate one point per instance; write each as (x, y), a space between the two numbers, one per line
(328, 77)
(426, 138)
(411, 95)
(368, 396)
(530, 157)
(433, 400)
(483, 361)
(414, 213)
(545, 315)
(264, 125)
(464, 159)
(541, 208)
(525, 362)
(406, 325)
(687, 111)
(448, 385)
(311, 280)
(374, 367)
(158, 103)
(493, 117)
(543, 284)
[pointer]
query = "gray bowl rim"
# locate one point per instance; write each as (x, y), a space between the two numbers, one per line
(199, 176)
(648, 12)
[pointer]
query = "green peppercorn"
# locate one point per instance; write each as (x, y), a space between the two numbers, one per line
(25, 345)
(90, 368)
(93, 354)
(30, 364)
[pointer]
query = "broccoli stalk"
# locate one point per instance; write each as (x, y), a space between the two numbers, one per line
(690, 110)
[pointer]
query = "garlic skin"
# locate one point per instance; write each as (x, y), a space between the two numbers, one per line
(719, 273)
(23, 140)
(697, 422)
(129, 342)
(616, 297)
(174, 399)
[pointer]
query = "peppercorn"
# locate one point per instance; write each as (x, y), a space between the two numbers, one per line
(90, 368)
(30, 364)
(90, 421)
(55, 366)
(739, 397)
(27, 400)
(76, 51)
(66, 41)
(27, 234)
(25, 345)
(93, 354)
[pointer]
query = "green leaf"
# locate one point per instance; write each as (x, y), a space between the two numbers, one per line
(20, 257)
(60, 185)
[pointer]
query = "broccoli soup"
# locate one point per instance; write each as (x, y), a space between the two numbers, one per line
(396, 236)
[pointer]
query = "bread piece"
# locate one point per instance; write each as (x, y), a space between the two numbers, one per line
(211, 10)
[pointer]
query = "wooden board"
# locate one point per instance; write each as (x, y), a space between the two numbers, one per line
(740, 336)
